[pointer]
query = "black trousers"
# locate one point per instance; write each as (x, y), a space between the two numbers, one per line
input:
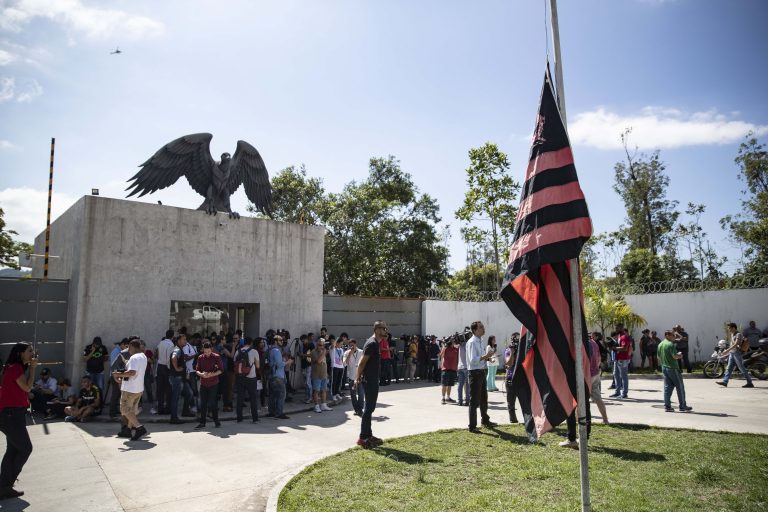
(571, 420)
(478, 397)
(163, 389)
(246, 385)
(209, 402)
(13, 423)
(511, 397)
(336, 377)
(371, 395)
(114, 399)
(684, 361)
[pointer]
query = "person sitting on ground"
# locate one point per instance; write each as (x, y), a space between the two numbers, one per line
(43, 391)
(65, 396)
(88, 403)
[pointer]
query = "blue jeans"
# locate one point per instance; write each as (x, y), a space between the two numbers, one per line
(276, 396)
(357, 394)
(179, 386)
(621, 374)
(673, 379)
(98, 379)
(736, 359)
(307, 383)
(463, 382)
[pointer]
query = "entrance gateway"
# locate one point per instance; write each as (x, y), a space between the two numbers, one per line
(136, 268)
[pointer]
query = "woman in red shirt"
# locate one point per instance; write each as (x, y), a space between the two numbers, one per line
(14, 402)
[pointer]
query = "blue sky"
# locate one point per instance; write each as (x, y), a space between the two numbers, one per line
(331, 84)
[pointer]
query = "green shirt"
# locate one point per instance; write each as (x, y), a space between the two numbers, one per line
(666, 350)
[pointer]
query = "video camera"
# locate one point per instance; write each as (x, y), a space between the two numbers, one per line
(459, 337)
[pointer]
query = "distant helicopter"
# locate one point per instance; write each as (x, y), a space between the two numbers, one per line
(115, 51)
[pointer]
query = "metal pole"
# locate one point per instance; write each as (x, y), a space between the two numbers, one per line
(48, 221)
(575, 291)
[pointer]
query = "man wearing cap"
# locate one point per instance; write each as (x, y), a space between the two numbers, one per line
(43, 391)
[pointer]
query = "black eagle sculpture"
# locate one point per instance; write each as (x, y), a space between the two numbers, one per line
(190, 156)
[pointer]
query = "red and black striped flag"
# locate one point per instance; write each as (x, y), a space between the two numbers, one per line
(552, 225)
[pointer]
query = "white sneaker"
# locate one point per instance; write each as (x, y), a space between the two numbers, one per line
(318, 409)
(337, 397)
(324, 407)
(193, 410)
(308, 401)
(153, 411)
(569, 444)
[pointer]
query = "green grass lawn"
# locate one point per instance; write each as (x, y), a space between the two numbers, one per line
(632, 468)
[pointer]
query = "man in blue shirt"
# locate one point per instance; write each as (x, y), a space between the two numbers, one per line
(277, 379)
(477, 366)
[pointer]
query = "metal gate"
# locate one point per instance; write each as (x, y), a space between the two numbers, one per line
(35, 311)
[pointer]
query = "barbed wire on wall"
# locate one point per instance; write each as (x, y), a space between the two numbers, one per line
(695, 285)
(674, 286)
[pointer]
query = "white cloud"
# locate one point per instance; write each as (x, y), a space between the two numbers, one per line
(6, 58)
(93, 22)
(6, 144)
(26, 92)
(7, 87)
(656, 127)
(29, 90)
(25, 210)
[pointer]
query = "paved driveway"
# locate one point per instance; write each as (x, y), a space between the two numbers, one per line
(84, 467)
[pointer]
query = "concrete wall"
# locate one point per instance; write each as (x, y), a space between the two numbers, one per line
(702, 314)
(127, 261)
(356, 315)
(442, 318)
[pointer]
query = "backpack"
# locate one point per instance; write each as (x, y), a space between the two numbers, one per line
(243, 362)
(744, 344)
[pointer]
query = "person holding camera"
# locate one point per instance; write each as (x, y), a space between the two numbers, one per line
(669, 356)
(510, 355)
(478, 392)
(14, 401)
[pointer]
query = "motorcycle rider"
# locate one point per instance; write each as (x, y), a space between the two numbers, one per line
(735, 357)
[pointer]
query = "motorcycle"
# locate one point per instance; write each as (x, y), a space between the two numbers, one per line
(756, 361)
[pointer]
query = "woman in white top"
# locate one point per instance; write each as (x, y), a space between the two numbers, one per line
(493, 363)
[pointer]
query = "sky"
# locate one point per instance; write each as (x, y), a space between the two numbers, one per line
(332, 83)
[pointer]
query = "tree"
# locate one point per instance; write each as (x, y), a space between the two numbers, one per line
(603, 310)
(295, 197)
(490, 196)
(382, 236)
(642, 185)
(750, 226)
(10, 248)
(475, 277)
(699, 248)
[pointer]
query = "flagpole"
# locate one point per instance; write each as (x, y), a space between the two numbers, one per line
(575, 289)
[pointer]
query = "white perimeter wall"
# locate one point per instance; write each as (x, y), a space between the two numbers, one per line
(702, 314)
(443, 318)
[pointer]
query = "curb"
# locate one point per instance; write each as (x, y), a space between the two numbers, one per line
(282, 481)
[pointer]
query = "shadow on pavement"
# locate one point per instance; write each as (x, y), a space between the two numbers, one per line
(629, 454)
(140, 445)
(14, 504)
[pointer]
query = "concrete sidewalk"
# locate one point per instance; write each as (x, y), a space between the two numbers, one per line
(84, 467)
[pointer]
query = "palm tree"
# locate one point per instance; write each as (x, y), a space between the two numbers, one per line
(604, 309)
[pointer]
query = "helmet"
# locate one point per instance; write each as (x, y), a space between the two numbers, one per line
(722, 344)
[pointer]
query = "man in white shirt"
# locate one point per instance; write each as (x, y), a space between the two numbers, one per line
(164, 351)
(132, 387)
(478, 374)
(352, 358)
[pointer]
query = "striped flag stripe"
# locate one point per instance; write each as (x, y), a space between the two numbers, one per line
(551, 214)
(549, 160)
(548, 178)
(549, 234)
(558, 194)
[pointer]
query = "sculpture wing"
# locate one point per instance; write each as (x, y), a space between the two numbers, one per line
(188, 156)
(248, 168)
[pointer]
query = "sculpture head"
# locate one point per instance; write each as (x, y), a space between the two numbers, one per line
(225, 157)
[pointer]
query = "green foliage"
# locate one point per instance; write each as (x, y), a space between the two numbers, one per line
(10, 248)
(295, 197)
(490, 196)
(750, 226)
(475, 277)
(603, 310)
(642, 183)
(693, 236)
(381, 236)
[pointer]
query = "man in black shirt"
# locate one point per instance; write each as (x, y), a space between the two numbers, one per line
(95, 357)
(368, 371)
